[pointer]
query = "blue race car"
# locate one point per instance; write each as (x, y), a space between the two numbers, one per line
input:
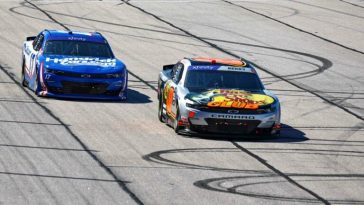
(73, 65)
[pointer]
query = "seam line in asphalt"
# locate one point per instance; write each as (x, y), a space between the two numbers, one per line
(234, 143)
(302, 87)
(121, 183)
(356, 5)
(279, 173)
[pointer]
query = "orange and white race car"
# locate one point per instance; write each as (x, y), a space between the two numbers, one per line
(216, 96)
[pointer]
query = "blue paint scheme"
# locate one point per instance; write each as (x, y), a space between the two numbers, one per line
(87, 70)
(77, 36)
(204, 67)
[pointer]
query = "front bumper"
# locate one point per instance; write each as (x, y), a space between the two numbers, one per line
(84, 88)
(234, 124)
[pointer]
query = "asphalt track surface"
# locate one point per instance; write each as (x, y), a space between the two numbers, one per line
(310, 53)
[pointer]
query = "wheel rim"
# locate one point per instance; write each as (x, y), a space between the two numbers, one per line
(176, 127)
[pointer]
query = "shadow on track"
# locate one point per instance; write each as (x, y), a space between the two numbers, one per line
(134, 97)
(288, 134)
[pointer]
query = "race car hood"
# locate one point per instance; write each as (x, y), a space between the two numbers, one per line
(90, 65)
(237, 99)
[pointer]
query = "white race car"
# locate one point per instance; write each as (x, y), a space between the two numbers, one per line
(220, 96)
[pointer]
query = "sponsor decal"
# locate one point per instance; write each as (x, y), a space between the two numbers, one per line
(108, 62)
(203, 67)
(220, 68)
(237, 69)
(235, 117)
(168, 95)
(72, 38)
(236, 99)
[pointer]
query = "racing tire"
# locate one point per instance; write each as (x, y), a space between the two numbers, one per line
(160, 111)
(37, 86)
(23, 81)
(268, 133)
(176, 127)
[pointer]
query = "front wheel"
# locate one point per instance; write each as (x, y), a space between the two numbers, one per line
(37, 87)
(160, 111)
(23, 81)
(177, 127)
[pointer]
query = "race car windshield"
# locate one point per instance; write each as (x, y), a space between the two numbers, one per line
(197, 80)
(77, 48)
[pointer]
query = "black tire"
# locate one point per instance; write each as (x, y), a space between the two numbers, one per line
(176, 127)
(37, 85)
(23, 81)
(160, 110)
(268, 133)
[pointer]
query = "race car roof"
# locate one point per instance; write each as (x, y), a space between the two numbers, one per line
(219, 61)
(220, 64)
(74, 36)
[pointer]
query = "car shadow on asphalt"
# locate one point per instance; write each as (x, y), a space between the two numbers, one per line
(288, 134)
(134, 97)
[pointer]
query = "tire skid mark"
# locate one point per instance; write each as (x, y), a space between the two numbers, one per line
(357, 5)
(213, 45)
(48, 15)
(157, 157)
(326, 65)
(327, 9)
(293, 27)
(234, 143)
(217, 184)
(279, 173)
(294, 11)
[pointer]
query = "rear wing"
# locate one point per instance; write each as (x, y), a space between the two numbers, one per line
(168, 67)
(30, 38)
(165, 74)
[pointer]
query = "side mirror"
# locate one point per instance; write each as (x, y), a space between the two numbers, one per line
(168, 67)
(30, 38)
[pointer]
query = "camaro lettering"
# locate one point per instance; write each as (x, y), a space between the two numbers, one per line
(237, 117)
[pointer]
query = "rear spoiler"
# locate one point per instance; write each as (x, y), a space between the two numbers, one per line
(30, 38)
(168, 67)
